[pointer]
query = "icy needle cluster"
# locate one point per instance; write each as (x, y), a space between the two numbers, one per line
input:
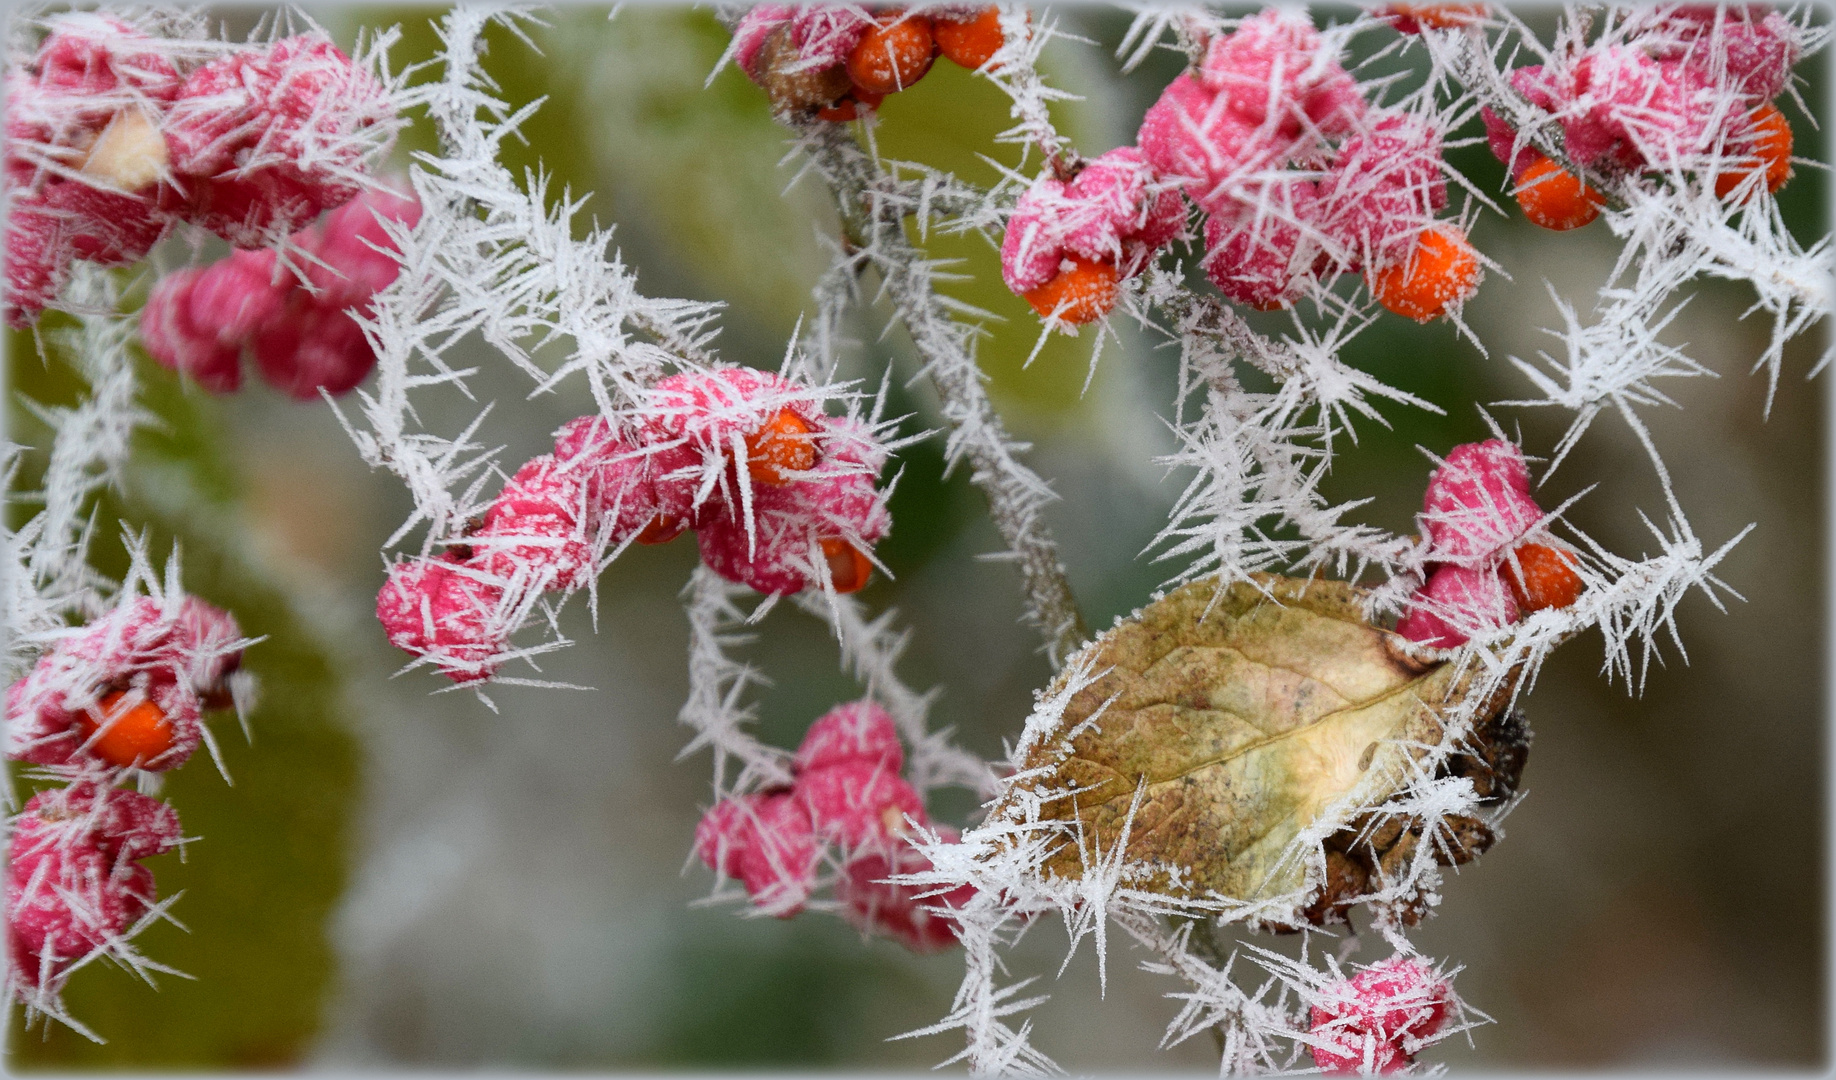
(121, 130)
(1660, 119)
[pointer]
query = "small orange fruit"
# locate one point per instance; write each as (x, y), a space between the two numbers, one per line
(972, 42)
(781, 447)
(1441, 270)
(1544, 577)
(130, 737)
(1555, 198)
(1769, 146)
(1084, 293)
(661, 530)
(893, 55)
(1439, 16)
(849, 567)
(857, 105)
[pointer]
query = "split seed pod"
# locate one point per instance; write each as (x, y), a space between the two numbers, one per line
(1247, 719)
(793, 84)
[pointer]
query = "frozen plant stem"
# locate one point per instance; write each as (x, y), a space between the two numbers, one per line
(1016, 495)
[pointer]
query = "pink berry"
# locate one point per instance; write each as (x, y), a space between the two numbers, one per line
(826, 34)
(913, 916)
(1384, 188)
(766, 841)
(754, 27)
(431, 608)
(172, 338)
(354, 257)
(1190, 135)
(63, 903)
(540, 528)
(1276, 67)
(634, 482)
(856, 803)
(172, 658)
(1108, 213)
(1750, 49)
(1261, 253)
(1456, 603)
(1478, 503)
(1376, 1019)
(785, 551)
(1501, 138)
(858, 732)
(121, 824)
(90, 55)
(265, 138)
(311, 349)
(234, 298)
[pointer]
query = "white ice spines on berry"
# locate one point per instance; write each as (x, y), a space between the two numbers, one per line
(490, 256)
(1256, 462)
(82, 634)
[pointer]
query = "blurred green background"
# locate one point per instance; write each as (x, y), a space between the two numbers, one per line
(402, 878)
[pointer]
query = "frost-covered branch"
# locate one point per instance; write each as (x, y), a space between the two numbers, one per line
(946, 346)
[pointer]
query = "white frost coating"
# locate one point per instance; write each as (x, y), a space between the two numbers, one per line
(1253, 462)
(48, 576)
(489, 257)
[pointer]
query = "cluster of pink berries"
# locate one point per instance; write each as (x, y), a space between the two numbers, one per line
(1373, 1022)
(1248, 137)
(198, 321)
(1069, 242)
(848, 799)
(780, 496)
(842, 60)
(109, 143)
(1690, 87)
(1482, 573)
(126, 692)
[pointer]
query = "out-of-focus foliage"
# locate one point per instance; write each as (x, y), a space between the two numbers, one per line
(271, 864)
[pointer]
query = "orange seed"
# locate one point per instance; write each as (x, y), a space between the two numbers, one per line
(661, 530)
(893, 55)
(1544, 577)
(857, 105)
(849, 567)
(1770, 148)
(1084, 293)
(1441, 270)
(1555, 198)
(970, 43)
(781, 447)
(132, 736)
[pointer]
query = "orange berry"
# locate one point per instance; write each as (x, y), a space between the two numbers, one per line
(970, 43)
(1440, 270)
(1769, 147)
(1557, 199)
(1439, 16)
(661, 530)
(849, 567)
(893, 55)
(857, 105)
(781, 447)
(129, 737)
(1084, 293)
(1544, 577)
